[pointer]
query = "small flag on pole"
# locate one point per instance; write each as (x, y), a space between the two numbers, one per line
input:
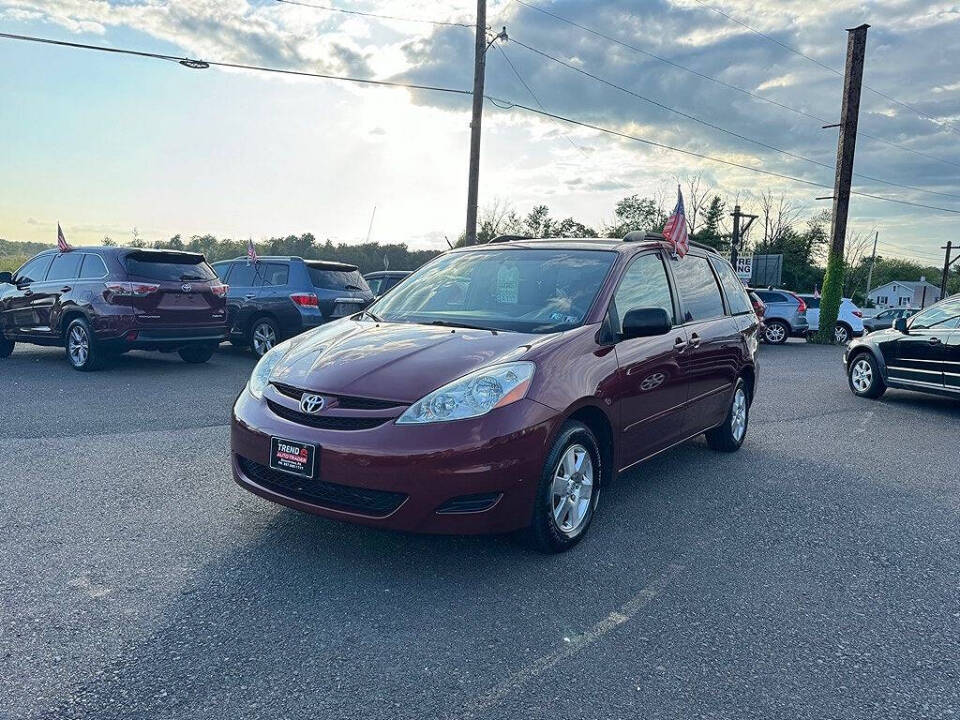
(251, 252)
(816, 291)
(62, 244)
(675, 229)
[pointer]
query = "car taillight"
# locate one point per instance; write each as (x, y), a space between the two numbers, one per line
(305, 299)
(857, 313)
(219, 289)
(802, 308)
(130, 289)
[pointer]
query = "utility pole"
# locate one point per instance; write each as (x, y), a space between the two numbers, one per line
(738, 233)
(947, 262)
(479, 72)
(873, 260)
(849, 119)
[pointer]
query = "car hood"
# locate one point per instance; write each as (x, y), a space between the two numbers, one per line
(394, 361)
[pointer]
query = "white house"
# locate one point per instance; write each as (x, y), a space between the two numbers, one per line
(905, 293)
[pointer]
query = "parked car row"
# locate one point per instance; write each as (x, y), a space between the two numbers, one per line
(788, 314)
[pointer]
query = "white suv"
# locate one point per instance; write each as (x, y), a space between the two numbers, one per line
(849, 320)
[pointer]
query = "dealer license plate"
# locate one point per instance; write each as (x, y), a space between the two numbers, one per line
(292, 457)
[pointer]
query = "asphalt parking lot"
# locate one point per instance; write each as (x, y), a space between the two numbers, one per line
(814, 574)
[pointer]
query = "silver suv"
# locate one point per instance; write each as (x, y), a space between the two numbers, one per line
(786, 315)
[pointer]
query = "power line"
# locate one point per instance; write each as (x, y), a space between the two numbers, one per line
(711, 158)
(736, 88)
(709, 124)
(330, 8)
(800, 53)
(201, 64)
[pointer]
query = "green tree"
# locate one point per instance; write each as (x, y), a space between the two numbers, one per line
(636, 213)
(712, 231)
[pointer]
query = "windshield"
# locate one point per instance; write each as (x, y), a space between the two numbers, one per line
(536, 291)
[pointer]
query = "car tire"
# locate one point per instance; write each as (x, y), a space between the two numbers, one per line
(729, 435)
(6, 347)
(864, 377)
(776, 332)
(82, 351)
(263, 336)
(561, 514)
(842, 334)
(197, 354)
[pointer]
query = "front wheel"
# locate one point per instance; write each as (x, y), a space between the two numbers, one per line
(6, 347)
(568, 491)
(864, 377)
(776, 332)
(196, 354)
(729, 436)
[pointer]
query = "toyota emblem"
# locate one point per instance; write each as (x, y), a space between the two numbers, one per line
(311, 404)
(186, 287)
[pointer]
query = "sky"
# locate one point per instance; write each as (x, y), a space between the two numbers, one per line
(105, 143)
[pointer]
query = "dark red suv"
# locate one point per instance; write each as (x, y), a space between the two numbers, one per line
(95, 301)
(501, 387)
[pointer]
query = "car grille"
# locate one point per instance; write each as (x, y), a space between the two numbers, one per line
(326, 422)
(344, 402)
(363, 501)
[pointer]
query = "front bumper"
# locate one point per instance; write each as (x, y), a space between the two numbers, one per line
(499, 455)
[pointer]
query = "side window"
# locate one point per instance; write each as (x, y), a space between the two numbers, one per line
(375, 284)
(272, 274)
(940, 316)
(698, 289)
(65, 266)
(92, 268)
(737, 297)
(770, 297)
(222, 269)
(812, 302)
(644, 285)
(35, 270)
(242, 275)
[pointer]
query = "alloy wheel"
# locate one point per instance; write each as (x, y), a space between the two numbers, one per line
(861, 375)
(264, 338)
(841, 335)
(78, 345)
(776, 333)
(738, 415)
(573, 488)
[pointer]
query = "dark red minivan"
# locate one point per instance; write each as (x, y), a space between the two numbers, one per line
(97, 301)
(501, 387)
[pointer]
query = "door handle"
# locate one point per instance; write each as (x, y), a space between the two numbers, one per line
(695, 340)
(66, 288)
(680, 345)
(934, 341)
(249, 297)
(27, 292)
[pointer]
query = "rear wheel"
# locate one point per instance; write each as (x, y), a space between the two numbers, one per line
(776, 332)
(6, 347)
(82, 350)
(197, 354)
(568, 491)
(263, 335)
(729, 436)
(864, 377)
(841, 334)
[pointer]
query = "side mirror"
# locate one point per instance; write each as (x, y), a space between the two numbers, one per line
(900, 325)
(646, 322)
(6, 277)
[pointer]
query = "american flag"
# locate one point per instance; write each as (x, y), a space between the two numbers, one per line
(251, 251)
(62, 244)
(675, 229)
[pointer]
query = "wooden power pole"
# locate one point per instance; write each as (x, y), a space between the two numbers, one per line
(479, 72)
(849, 118)
(738, 232)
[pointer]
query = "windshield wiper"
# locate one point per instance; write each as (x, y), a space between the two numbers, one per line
(370, 315)
(191, 277)
(465, 326)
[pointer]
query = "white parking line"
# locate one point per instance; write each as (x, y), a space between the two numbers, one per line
(571, 647)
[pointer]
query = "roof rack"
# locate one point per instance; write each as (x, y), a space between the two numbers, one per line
(641, 236)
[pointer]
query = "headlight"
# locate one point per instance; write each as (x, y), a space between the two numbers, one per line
(472, 395)
(260, 377)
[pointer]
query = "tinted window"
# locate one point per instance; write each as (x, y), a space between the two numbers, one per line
(34, 270)
(243, 275)
(699, 292)
(92, 268)
(222, 269)
(375, 284)
(736, 294)
(336, 279)
(272, 274)
(66, 266)
(521, 289)
(771, 297)
(941, 315)
(812, 302)
(887, 314)
(168, 266)
(644, 285)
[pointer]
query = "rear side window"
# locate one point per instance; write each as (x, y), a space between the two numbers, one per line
(222, 269)
(644, 285)
(92, 268)
(168, 267)
(812, 302)
(66, 266)
(242, 275)
(272, 274)
(737, 296)
(336, 279)
(35, 270)
(699, 292)
(771, 297)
